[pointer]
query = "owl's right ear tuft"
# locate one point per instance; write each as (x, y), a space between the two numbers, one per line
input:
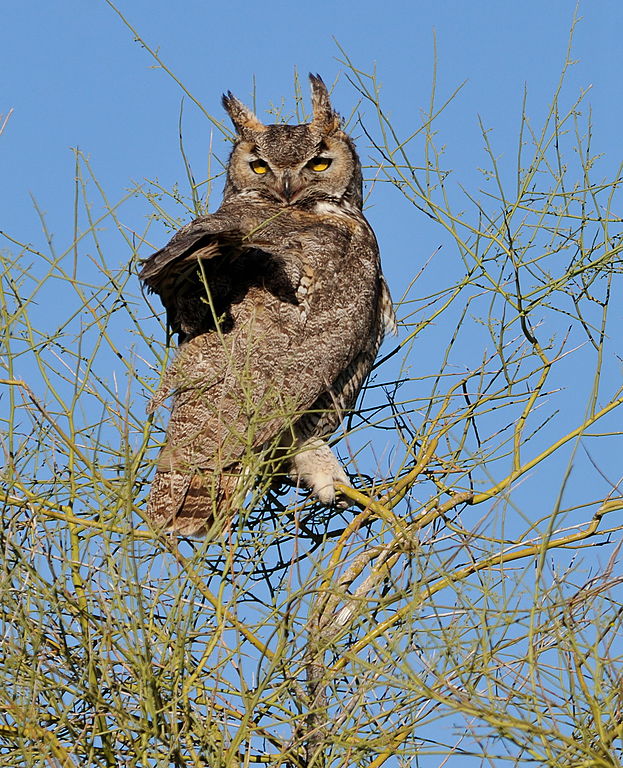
(242, 117)
(325, 117)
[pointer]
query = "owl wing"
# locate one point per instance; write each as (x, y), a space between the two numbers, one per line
(169, 271)
(197, 234)
(216, 241)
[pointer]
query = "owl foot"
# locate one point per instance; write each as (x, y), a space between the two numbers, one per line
(316, 467)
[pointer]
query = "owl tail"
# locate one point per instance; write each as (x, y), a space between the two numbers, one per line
(193, 504)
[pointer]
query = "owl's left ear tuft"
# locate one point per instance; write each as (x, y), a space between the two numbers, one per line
(325, 118)
(242, 117)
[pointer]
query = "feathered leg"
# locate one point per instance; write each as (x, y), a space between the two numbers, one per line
(315, 466)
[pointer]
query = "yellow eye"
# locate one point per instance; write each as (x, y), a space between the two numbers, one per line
(258, 166)
(319, 163)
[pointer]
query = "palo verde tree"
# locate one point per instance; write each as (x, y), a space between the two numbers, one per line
(467, 605)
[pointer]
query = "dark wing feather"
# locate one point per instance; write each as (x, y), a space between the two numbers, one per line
(171, 272)
(202, 231)
(216, 241)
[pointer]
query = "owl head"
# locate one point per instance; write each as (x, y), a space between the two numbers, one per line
(293, 165)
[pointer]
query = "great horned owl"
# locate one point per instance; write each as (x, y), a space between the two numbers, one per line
(280, 307)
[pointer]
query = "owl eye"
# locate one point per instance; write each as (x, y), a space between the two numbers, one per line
(258, 166)
(319, 163)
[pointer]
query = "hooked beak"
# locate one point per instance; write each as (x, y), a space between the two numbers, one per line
(288, 191)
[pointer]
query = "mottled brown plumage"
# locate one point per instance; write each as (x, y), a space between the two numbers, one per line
(280, 307)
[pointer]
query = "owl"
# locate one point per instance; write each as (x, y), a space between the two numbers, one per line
(280, 306)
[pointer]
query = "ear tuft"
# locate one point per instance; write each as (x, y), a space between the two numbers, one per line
(325, 118)
(242, 117)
